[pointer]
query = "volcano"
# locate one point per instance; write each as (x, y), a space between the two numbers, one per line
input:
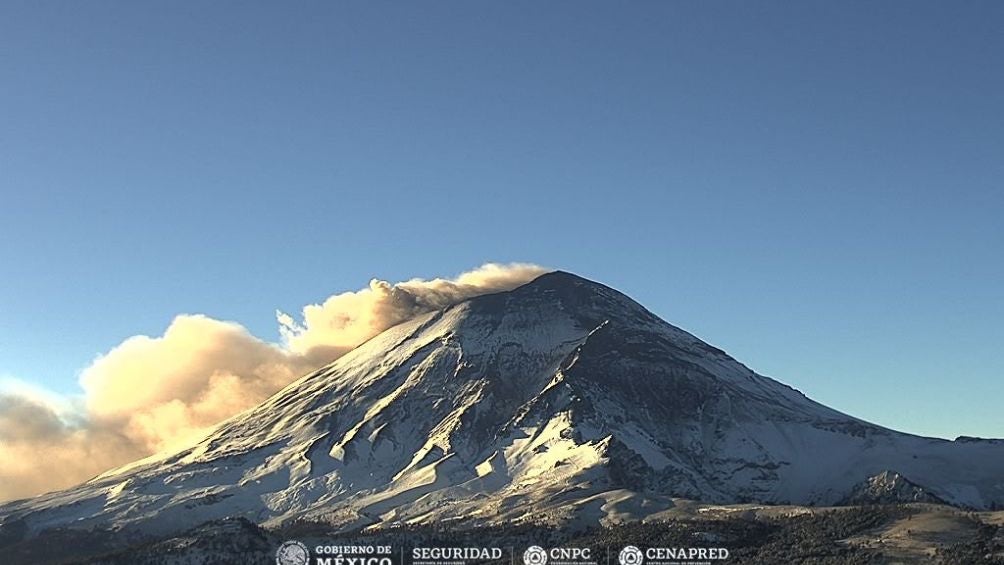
(562, 401)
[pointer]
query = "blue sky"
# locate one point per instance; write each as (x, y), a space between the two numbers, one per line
(814, 187)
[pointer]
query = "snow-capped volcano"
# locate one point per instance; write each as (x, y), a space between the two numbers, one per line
(560, 400)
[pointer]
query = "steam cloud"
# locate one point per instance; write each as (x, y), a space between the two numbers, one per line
(151, 394)
(346, 320)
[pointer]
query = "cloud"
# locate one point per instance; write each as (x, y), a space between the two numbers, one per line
(165, 390)
(151, 394)
(346, 320)
(40, 451)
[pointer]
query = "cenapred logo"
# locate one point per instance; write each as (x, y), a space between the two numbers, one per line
(292, 553)
(535, 555)
(630, 555)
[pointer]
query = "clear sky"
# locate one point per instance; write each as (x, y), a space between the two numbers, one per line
(815, 187)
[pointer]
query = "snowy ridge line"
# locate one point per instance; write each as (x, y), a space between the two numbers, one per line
(562, 402)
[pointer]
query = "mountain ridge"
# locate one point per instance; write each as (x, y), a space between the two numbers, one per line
(562, 401)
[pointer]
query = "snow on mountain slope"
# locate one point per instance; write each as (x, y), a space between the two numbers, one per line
(561, 401)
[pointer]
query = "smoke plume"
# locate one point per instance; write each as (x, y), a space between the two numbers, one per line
(153, 394)
(345, 320)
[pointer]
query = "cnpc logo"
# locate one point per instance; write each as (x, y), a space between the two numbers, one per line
(536, 555)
